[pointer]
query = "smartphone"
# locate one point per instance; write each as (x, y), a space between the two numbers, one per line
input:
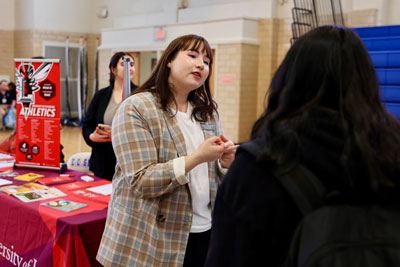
(104, 126)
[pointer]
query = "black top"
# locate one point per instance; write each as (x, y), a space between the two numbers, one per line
(254, 217)
(102, 160)
(253, 220)
(13, 94)
(5, 98)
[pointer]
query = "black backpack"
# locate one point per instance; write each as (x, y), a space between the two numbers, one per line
(335, 235)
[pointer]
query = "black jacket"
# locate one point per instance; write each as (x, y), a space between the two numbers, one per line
(254, 217)
(102, 161)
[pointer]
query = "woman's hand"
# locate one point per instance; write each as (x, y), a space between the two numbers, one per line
(100, 135)
(210, 150)
(229, 152)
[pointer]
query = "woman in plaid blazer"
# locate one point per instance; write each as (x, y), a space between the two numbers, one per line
(171, 155)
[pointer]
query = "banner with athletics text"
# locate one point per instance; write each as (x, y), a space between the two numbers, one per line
(38, 113)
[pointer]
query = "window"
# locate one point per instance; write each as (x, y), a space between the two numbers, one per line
(57, 51)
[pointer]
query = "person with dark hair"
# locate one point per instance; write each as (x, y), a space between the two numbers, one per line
(324, 112)
(101, 111)
(13, 91)
(6, 101)
(171, 156)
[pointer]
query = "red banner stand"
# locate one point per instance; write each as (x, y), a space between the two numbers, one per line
(38, 114)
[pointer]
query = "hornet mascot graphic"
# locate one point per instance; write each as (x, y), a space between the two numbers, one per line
(27, 79)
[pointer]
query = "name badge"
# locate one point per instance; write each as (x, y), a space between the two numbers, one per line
(206, 126)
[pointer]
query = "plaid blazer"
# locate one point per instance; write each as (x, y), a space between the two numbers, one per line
(150, 213)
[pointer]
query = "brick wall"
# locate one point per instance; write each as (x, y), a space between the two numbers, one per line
(248, 90)
(7, 54)
(23, 46)
(267, 63)
(227, 91)
(104, 72)
(274, 36)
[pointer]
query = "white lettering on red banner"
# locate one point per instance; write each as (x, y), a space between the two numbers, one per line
(12, 256)
(38, 112)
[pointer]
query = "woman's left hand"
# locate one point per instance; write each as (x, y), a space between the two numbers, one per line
(229, 153)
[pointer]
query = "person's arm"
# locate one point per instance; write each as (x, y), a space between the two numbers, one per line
(135, 141)
(90, 121)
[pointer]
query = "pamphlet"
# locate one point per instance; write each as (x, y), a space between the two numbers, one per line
(6, 156)
(6, 160)
(64, 205)
(9, 173)
(37, 195)
(73, 186)
(101, 189)
(13, 189)
(85, 194)
(7, 163)
(55, 180)
(28, 177)
(4, 182)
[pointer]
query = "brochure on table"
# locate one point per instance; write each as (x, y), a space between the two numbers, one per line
(6, 160)
(38, 113)
(102, 189)
(28, 187)
(30, 192)
(38, 195)
(4, 182)
(64, 205)
(27, 177)
(54, 187)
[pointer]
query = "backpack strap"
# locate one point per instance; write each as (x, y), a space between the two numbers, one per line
(304, 187)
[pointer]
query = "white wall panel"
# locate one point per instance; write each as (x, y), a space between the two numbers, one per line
(393, 12)
(61, 15)
(7, 15)
(24, 14)
(216, 32)
(202, 3)
(80, 15)
(239, 9)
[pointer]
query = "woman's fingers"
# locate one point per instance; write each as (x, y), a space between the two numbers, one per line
(223, 138)
(231, 148)
(226, 141)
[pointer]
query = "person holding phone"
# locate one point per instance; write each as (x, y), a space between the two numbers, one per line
(172, 155)
(96, 128)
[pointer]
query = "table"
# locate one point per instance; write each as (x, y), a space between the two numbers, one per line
(35, 235)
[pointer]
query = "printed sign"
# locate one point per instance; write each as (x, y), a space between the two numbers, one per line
(38, 113)
(227, 79)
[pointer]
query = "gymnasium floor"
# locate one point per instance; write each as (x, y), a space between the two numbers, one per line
(71, 139)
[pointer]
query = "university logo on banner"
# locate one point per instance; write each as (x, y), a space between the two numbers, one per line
(38, 113)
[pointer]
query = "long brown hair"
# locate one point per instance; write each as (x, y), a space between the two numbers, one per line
(204, 107)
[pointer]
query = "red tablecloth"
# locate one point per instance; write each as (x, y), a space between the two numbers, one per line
(35, 235)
